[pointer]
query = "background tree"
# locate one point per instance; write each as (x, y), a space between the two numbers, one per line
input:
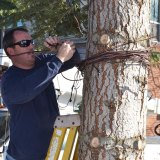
(6, 5)
(60, 17)
(49, 17)
(113, 117)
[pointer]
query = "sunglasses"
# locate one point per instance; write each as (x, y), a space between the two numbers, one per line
(24, 43)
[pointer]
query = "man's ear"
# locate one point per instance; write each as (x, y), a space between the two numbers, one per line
(10, 51)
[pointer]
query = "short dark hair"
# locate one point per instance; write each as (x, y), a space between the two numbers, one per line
(8, 38)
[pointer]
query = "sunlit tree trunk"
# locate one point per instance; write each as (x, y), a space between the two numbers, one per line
(113, 116)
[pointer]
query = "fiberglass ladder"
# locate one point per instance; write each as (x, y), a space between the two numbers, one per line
(65, 138)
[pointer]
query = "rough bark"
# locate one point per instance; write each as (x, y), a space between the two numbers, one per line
(113, 117)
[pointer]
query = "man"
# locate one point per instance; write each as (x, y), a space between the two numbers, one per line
(28, 92)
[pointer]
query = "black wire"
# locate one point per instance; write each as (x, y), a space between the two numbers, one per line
(74, 86)
(74, 80)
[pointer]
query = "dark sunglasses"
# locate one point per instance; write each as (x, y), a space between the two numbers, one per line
(24, 43)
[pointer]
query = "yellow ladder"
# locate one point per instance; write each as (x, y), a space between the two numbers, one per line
(64, 142)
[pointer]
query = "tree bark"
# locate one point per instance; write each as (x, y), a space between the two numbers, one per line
(113, 116)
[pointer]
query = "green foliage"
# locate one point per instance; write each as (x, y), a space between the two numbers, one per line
(48, 17)
(6, 5)
(155, 57)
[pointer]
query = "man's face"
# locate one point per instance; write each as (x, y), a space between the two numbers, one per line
(24, 61)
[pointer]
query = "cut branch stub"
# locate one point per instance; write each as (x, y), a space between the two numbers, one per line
(95, 142)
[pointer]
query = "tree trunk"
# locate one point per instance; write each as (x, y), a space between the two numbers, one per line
(113, 116)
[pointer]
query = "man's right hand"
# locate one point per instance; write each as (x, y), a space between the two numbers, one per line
(66, 51)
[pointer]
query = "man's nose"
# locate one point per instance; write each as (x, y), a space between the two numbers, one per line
(31, 45)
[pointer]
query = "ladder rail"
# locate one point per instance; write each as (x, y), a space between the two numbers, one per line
(62, 123)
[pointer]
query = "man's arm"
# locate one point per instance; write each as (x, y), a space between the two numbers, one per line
(18, 87)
